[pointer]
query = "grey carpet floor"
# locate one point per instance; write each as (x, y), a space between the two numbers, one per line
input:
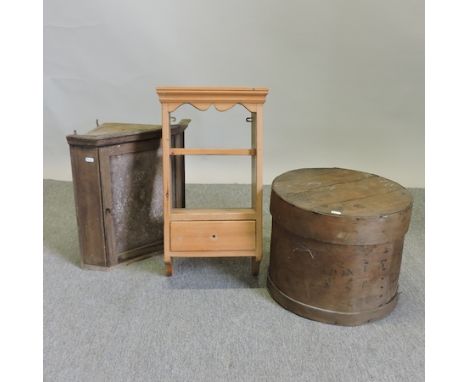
(211, 321)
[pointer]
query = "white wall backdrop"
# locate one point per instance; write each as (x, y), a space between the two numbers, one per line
(346, 78)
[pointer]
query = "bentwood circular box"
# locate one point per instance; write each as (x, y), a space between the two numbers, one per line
(117, 180)
(336, 243)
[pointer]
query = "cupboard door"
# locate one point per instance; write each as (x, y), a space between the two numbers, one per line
(88, 203)
(132, 196)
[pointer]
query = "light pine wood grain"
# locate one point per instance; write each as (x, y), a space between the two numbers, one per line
(212, 235)
(166, 141)
(211, 232)
(212, 152)
(179, 214)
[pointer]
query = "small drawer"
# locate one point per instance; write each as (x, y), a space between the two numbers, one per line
(213, 235)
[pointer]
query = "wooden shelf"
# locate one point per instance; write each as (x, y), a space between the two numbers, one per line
(213, 254)
(214, 232)
(180, 214)
(249, 152)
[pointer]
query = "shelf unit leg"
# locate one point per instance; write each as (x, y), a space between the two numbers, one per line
(168, 265)
(257, 177)
(254, 266)
(166, 141)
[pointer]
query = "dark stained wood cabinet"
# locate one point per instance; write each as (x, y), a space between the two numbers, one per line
(118, 187)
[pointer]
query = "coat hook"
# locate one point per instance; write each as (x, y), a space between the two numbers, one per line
(249, 119)
(97, 122)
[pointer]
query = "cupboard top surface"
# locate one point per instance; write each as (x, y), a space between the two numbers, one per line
(116, 132)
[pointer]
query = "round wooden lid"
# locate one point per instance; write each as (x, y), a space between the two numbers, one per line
(341, 192)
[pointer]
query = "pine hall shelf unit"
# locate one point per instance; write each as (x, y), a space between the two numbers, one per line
(227, 232)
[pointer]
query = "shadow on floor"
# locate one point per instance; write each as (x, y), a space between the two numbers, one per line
(60, 236)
